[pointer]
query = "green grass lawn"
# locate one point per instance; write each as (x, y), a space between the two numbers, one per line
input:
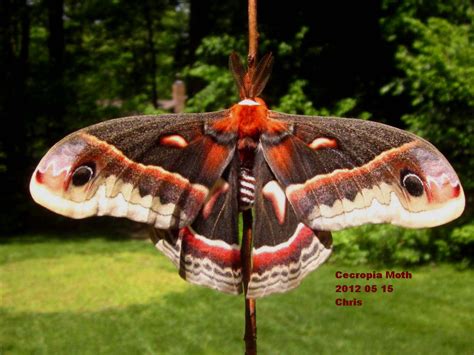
(91, 296)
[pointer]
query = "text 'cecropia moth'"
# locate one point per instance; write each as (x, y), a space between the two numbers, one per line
(190, 175)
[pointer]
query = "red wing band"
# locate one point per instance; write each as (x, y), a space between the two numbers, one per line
(120, 187)
(202, 261)
(282, 267)
(440, 201)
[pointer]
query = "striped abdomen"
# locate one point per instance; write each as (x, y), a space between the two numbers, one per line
(246, 188)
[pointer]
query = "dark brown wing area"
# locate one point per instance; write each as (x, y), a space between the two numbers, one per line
(339, 173)
(143, 140)
(207, 253)
(284, 249)
(153, 169)
(355, 143)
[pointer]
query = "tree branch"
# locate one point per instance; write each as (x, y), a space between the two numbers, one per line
(250, 336)
(253, 36)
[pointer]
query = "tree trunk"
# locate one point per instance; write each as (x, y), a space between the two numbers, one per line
(56, 48)
(56, 37)
(151, 50)
(15, 38)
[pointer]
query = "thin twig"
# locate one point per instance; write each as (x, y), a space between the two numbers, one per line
(250, 336)
(253, 36)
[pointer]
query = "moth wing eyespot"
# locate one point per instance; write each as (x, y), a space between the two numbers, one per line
(83, 174)
(412, 183)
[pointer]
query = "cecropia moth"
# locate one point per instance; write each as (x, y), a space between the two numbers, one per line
(190, 175)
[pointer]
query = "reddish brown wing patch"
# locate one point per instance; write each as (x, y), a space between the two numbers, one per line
(282, 159)
(214, 155)
(221, 187)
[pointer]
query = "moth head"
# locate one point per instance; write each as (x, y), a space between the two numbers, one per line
(65, 180)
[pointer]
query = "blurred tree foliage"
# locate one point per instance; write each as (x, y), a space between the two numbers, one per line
(67, 64)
